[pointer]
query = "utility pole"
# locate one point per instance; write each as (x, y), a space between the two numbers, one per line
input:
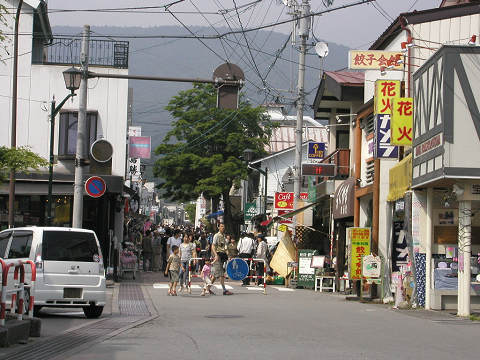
(81, 155)
(13, 140)
(303, 32)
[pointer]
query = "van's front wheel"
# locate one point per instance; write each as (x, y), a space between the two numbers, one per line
(92, 311)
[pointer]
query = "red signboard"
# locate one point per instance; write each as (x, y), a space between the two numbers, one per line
(282, 213)
(284, 200)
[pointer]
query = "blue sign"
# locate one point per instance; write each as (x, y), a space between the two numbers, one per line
(237, 269)
(383, 149)
(316, 150)
(95, 186)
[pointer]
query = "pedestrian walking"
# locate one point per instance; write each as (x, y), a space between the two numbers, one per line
(157, 250)
(206, 276)
(246, 247)
(187, 251)
(261, 253)
(176, 240)
(147, 251)
(173, 267)
(232, 250)
(219, 251)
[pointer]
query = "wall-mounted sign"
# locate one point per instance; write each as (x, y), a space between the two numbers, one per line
(343, 201)
(385, 91)
(316, 150)
(139, 147)
(402, 122)
(374, 59)
(359, 247)
(429, 145)
(250, 212)
(383, 149)
(318, 169)
(284, 200)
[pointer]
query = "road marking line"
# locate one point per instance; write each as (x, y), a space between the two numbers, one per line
(161, 286)
(255, 288)
(282, 288)
(196, 287)
(219, 287)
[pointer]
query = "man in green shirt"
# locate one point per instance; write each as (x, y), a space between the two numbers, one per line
(219, 252)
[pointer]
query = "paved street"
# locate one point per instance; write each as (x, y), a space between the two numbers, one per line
(285, 325)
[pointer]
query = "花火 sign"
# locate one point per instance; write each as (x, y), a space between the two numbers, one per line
(402, 121)
(385, 91)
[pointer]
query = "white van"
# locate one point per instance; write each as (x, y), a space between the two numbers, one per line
(69, 263)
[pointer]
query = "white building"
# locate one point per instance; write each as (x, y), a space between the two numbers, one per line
(41, 61)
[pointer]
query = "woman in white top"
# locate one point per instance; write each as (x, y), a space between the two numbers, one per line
(187, 251)
(262, 248)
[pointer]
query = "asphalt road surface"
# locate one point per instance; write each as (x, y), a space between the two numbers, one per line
(298, 324)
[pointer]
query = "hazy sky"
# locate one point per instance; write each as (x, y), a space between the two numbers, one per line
(355, 27)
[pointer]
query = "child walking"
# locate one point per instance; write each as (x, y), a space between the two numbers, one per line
(173, 269)
(206, 275)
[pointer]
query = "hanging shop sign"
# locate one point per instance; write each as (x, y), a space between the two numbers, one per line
(371, 266)
(283, 213)
(385, 92)
(402, 122)
(316, 150)
(139, 147)
(399, 248)
(359, 247)
(284, 200)
(318, 170)
(344, 198)
(374, 59)
(250, 212)
(383, 148)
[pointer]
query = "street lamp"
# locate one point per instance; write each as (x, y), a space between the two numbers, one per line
(248, 156)
(72, 78)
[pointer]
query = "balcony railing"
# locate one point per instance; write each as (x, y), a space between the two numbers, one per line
(341, 159)
(66, 51)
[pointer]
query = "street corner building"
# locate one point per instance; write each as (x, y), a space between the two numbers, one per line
(42, 59)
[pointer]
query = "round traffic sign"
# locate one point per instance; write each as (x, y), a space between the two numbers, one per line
(95, 186)
(237, 269)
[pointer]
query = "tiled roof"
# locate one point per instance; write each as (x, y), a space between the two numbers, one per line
(348, 78)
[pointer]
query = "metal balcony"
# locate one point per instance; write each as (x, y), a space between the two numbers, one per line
(66, 51)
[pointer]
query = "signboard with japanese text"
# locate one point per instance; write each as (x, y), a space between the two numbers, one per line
(429, 145)
(385, 92)
(383, 149)
(359, 247)
(316, 150)
(250, 212)
(139, 147)
(306, 274)
(134, 131)
(402, 122)
(284, 200)
(374, 59)
(134, 170)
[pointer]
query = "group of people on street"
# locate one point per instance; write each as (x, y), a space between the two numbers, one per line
(171, 250)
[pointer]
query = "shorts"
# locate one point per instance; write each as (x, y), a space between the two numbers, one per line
(173, 275)
(218, 267)
(207, 281)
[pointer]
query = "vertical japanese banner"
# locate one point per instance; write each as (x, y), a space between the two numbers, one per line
(359, 247)
(385, 92)
(402, 122)
(134, 163)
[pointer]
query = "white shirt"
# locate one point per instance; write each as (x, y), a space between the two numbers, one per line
(245, 245)
(174, 241)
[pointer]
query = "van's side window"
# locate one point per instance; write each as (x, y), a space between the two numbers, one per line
(4, 237)
(21, 245)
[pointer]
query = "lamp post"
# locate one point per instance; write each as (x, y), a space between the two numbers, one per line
(72, 79)
(248, 155)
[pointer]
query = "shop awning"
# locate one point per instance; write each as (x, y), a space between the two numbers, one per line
(215, 214)
(400, 179)
(293, 213)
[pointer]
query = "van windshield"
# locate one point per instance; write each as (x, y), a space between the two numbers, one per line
(69, 246)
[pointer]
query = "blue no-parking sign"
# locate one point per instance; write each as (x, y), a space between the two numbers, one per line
(237, 269)
(95, 186)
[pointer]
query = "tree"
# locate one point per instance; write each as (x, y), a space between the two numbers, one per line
(3, 24)
(20, 159)
(209, 143)
(191, 210)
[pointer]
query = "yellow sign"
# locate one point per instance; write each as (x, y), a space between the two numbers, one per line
(401, 124)
(374, 59)
(359, 247)
(385, 92)
(282, 228)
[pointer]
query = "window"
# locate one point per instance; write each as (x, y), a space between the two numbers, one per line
(21, 244)
(67, 144)
(4, 237)
(69, 246)
(343, 139)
